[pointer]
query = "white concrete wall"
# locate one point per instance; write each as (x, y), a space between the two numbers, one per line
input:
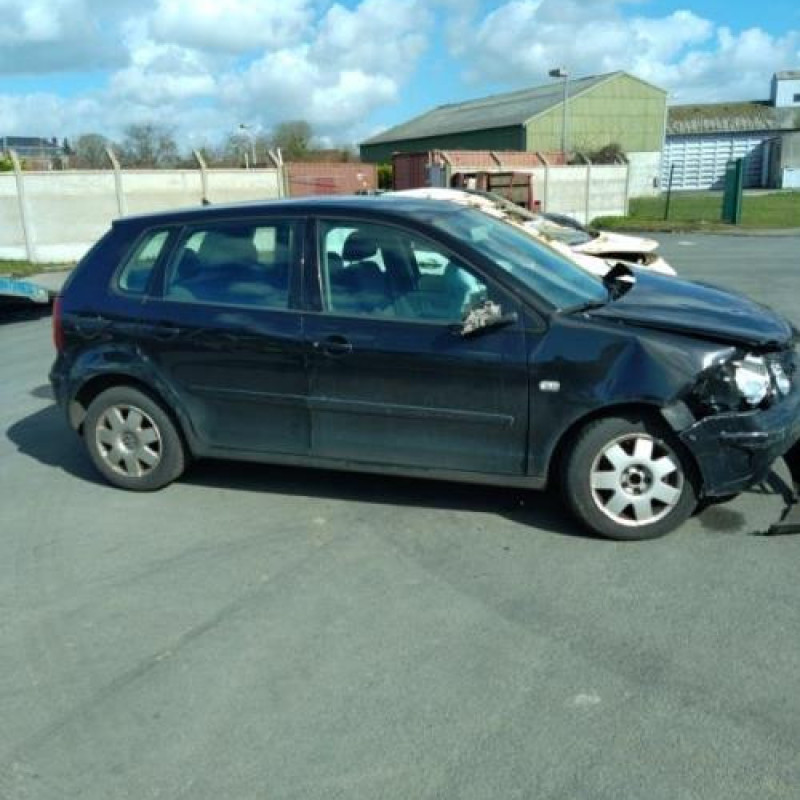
(68, 211)
(645, 173)
(68, 214)
(12, 240)
(583, 192)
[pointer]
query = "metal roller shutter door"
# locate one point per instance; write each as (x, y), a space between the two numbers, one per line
(700, 160)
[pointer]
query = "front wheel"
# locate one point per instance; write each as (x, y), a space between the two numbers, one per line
(132, 440)
(629, 479)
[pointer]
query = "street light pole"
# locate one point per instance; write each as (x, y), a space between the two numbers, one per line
(561, 72)
(252, 138)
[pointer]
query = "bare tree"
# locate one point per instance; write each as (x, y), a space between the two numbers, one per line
(148, 145)
(236, 149)
(293, 138)
(90, 151)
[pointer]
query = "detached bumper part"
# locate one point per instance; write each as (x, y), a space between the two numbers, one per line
(736, 450)
(790, 522)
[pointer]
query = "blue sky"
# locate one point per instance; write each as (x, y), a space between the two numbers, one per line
(355, 67)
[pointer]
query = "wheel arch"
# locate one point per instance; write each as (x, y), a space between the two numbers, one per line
(99, 383)
(636, 410)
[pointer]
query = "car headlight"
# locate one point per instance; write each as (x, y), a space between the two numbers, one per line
(739, 383)
(751, 377)
(783, 382)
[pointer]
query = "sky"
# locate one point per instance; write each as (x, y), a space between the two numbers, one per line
(354, 68)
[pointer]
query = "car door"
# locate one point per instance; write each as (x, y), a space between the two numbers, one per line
(393, 381)
(224, 332)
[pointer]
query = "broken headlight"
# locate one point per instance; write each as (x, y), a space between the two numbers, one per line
(752, 379)
(783, 382)
(742, 383)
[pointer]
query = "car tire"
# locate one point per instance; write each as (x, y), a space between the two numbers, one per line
(628, 478)
(132, 441)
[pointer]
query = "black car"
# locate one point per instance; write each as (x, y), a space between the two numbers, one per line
(406, 336)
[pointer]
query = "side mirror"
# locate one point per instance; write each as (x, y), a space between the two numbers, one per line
(485, 317)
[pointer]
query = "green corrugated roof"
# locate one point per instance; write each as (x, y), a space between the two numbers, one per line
(755, 115)
(485, 113)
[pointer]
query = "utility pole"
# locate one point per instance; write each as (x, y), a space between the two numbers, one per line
(252, 137)
(561, 72)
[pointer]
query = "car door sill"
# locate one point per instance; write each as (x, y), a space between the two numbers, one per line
(347, 465)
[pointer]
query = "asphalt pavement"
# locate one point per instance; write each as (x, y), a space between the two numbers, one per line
(263, 632)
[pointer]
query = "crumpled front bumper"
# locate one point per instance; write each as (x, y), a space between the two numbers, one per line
(736, 450)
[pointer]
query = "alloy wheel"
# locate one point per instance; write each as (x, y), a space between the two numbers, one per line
(636, 480)
(128, 440)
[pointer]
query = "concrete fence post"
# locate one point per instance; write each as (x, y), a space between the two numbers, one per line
(546, 192)
(24, 210)
(282, 179)
(627, 199)
(587, 208)
(121, 205)
(198, 157)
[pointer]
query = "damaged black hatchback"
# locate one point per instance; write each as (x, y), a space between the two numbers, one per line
(407, 336)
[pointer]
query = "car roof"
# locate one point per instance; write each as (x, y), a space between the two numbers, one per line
(416, 208)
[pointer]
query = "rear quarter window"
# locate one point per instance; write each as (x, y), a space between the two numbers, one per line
(135, 274)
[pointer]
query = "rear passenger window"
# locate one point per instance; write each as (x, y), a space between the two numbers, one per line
(244, 264)
(135, 275)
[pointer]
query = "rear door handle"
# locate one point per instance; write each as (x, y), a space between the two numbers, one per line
(334, 346)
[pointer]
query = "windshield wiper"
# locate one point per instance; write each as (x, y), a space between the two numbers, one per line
(589, 305)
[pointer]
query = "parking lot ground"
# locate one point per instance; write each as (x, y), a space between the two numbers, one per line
(261, 632)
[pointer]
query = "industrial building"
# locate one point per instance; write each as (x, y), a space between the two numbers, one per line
(615, 108)
(702, 138)
(37, 152)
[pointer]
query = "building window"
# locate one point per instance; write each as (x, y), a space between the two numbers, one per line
(797, 98)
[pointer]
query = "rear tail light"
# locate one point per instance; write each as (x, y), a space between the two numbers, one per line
(58, 325)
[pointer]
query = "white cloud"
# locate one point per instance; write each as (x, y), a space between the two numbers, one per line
(47, 114)
(41, 36)
(184, 64)
(161, 73)
(681, 51)
(37, 20)
(290, 84)
(232, 26)
(385, 37)
(356, 61)
(204, 66)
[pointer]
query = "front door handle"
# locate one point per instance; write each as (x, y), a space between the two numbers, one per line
(165, 331)
(334, 346)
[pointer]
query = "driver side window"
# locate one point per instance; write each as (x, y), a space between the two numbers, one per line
(382, 271)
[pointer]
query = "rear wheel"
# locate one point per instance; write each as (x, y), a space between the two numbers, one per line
(132, 441)
(629, 479)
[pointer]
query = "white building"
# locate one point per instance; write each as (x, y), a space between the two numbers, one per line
(702, 138)
(786, 89)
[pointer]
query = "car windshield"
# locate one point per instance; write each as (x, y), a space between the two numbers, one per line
(554, 278)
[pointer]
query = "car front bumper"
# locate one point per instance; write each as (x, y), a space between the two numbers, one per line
(736, 450)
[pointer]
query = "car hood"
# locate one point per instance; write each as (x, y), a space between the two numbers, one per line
(671, 304)
(618, 243)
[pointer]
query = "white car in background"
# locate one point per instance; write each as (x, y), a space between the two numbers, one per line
(595, 251)
(604, 244)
